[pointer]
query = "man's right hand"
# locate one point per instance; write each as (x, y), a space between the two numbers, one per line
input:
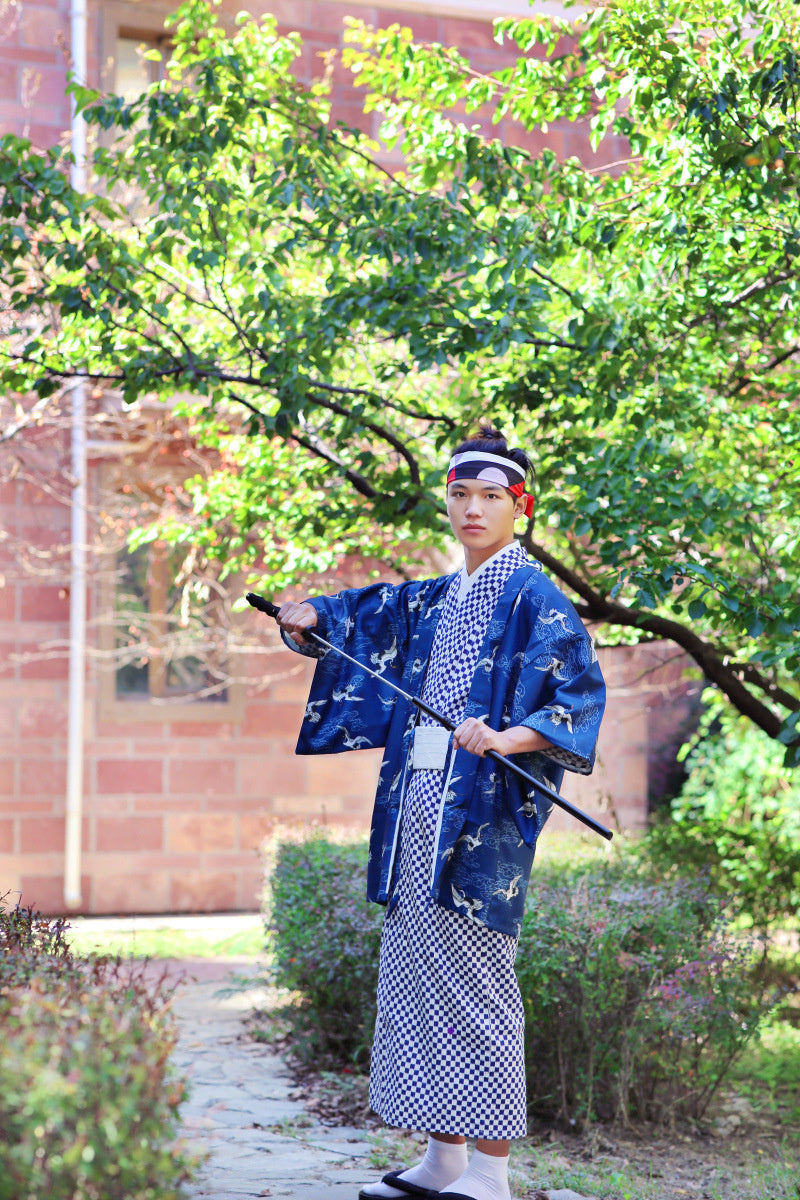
(295, 618)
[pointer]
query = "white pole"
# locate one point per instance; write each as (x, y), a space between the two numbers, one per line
(77, 594)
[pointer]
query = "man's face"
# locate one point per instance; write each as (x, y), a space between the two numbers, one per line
(482, 516)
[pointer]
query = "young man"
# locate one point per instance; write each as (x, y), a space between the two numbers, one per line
(501, 651)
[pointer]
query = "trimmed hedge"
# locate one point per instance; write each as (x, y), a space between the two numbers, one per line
(88, 1096)
(324, 940)
(637, 998)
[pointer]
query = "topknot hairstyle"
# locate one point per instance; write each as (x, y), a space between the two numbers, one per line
(492, 441)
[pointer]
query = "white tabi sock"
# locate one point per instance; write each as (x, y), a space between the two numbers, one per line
(443, 1162)
(486, 1178)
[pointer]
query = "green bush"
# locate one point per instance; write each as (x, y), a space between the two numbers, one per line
(88, 1096)
(738, 817)
(637, 1000)
(324, 941)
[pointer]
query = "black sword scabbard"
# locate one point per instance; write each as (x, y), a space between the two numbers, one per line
(272, 610)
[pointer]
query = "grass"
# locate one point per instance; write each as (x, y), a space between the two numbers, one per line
(292, 1126)
(166, 942)
(620, 1175)
(393, 1148)
(737, 1176)
(768, 1074)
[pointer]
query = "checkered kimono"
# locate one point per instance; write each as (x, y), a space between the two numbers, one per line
(448, 1054)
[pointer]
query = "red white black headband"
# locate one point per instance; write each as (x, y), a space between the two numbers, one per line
(490, 468)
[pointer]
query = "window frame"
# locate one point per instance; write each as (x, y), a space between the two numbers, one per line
(152, 709)
(144, 23)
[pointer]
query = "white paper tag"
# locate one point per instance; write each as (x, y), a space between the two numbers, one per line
(431, 743)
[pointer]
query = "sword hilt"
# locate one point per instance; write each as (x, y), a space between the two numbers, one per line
(262, 605)
(272, 610)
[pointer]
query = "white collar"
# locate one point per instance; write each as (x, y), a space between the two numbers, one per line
(466, 581)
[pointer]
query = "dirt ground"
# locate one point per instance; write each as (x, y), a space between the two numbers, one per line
(746, 1164)
(740, 1152)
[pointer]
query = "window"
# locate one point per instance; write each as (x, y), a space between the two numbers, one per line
(126, 29)
(167, 638)
(132, 71)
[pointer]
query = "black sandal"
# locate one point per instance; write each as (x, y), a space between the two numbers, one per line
(403, 1185)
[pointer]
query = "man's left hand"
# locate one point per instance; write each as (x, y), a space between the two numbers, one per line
(478, 738)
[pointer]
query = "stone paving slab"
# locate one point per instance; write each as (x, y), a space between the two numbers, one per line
(260, 1141)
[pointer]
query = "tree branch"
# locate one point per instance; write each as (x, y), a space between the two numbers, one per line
(379, 430)
(315, 446)
(597, 607)
(407, 412)
(320, 450)
(32, 417)
(741, 381)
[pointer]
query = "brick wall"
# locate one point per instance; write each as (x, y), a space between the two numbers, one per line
(33, 40)
(174, 810)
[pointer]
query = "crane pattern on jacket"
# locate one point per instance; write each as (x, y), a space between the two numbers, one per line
(536, 667)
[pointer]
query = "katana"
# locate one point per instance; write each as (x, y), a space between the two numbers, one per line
(316, 639)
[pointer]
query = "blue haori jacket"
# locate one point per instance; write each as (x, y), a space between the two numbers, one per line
(537, 667)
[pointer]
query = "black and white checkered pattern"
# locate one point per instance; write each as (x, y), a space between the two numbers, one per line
(448, 1054)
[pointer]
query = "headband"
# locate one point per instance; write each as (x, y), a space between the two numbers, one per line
(491, 468)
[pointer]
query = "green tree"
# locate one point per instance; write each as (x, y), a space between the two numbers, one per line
(340, 327)
(737, 818)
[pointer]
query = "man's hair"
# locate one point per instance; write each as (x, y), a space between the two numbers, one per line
(492, 441)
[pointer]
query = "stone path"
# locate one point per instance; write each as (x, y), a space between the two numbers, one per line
(260, 1141)
(241, 1111)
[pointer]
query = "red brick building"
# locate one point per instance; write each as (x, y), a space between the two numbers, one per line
(174, 795)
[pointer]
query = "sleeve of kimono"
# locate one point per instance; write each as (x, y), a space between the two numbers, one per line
(346, 709)
(562, 691)
(376, 621)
